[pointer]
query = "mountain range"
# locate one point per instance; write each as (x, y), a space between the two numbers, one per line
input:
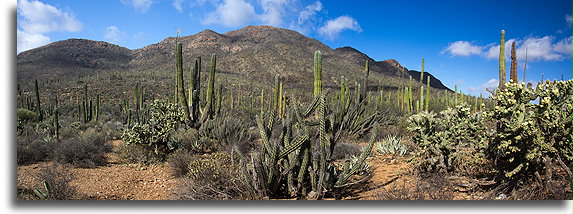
(254, 53)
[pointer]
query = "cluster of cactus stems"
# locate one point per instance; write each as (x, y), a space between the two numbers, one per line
(190, 102)
(298, 163)
(88, 109)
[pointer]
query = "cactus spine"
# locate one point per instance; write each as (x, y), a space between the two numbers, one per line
(502, 71)
(317, 73)
(513, 69)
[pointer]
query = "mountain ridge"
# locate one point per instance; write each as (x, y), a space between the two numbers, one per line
(258, 52)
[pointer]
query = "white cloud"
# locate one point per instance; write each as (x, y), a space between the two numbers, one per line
(178, 5)
(27, 41)
(538, 49)
(462, 48)
(35, 19)
(141, 6)
(568, 20)
(332, 28)
(490, 84)
(231, 13)
(113, 34)
(274, 11)
(38, 17)
(563, 46)
(309, 12)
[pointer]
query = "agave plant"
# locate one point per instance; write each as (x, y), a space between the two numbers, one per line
(392, 145)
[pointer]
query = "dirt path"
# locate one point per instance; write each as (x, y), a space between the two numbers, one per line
(114, 181)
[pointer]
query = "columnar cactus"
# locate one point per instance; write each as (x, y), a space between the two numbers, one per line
(276, 95)
(427, 104)
(38, 105)
(219, 98)
(194, 90)
(513, 69)
(422, 73)
(180, 83)
(209, 106)
(365, 81)
(502, 71)
(317, 73)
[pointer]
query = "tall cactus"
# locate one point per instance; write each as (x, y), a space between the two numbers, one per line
(317, 73)
(276, 95)
(209, 101)
(422, 73)
(502, 71)
(513, 69)
(180, 83)
(219, 99)
(427, 104)
(38, 104)
(194, 90)
(365, 81)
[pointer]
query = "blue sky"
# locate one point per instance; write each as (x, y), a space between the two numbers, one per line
(458, 39)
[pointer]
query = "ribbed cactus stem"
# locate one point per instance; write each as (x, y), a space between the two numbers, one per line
(276, 93)
(365, 81)
(317, 73)
(56, 123)
(209, 107)
(38, 104)
(410, 99)
(219, 98)
(513, 69)
(427, 104)
(180, 83)
(455, 95)
(502, 71)
(97, 108)
(358, 92)
(422, 73)
(262, 98)
(281, 96)
(422, 100)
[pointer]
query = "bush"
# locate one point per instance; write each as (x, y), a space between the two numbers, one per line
(57, 177)
(180, 160)
(226, 132)
(344, 150)
(155, 135)
(451, 142)
(33, 148)
(215, 177)
(85, 150)
(527, 132)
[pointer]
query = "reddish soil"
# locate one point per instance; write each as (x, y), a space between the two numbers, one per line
(117, 181)
(114, 181)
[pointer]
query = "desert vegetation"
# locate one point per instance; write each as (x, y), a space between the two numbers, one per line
(225, 142)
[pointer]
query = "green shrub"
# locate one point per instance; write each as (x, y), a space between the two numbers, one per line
(156, 134)
(448, 142)
(86, 150)
(527, 132)
(215, 177)
(392, 145)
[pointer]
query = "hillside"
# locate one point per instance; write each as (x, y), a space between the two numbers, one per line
(254, 53)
